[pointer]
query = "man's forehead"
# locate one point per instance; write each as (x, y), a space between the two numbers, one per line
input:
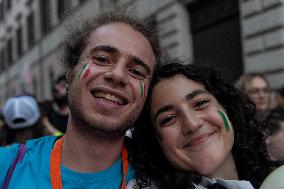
(123, 37)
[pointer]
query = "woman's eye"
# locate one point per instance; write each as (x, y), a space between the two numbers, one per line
(199, 104)
(167, 120)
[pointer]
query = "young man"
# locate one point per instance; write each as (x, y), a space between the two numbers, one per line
(110, 60)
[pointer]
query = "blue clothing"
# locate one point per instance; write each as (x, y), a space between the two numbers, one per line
(33, 171)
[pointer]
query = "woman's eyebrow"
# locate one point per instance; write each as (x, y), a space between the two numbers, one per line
(195, 93)
(163, 109)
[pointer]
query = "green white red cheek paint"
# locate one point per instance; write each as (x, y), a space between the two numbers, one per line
(225, 119)
(142, 88)
(84, 72)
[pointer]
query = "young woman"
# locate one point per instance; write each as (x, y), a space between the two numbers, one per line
(197, 132)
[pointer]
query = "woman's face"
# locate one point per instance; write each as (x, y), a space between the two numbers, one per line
(192, 127)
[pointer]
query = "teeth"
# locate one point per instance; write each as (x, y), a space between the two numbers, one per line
(108, 97)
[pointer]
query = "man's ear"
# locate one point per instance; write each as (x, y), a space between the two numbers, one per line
(69, 79)
(69, 74)
(268, 140)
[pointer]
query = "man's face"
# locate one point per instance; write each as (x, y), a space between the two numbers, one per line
(258, 92)
(110, 83)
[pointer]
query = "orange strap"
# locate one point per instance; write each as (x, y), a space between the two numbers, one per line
(55, 161)
(124, 157)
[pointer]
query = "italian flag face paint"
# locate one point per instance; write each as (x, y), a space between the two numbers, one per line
(226, 121)
(142, 87)
(84, 72)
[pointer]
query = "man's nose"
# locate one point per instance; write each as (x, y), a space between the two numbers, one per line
(117, 73)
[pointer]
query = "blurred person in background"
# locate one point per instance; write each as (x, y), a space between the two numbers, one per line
(256, 87)
(22, 119)
(280, 99)
(274, 135)
(55, 113)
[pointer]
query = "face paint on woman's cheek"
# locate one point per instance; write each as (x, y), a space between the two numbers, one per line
(225, 119)
(142, 89)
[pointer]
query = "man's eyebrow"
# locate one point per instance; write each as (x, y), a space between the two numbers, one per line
(105, 48)
(195, 93)
(110, 49)
(163, 109)
(140, 62)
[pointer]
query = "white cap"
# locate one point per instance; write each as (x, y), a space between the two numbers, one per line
(20, 112)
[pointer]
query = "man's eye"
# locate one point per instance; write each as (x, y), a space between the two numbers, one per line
(167, 120)
(201, 103)
(101, 60)
(138, 73)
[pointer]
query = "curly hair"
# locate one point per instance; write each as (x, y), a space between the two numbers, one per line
(249, 149)
(76, 40)
(272, 123)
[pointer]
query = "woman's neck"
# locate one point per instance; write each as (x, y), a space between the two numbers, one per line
(227, 170)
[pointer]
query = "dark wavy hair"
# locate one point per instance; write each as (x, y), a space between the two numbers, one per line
(79, 31)
(249, 149)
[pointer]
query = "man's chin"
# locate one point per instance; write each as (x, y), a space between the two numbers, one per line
(102, 133)
(105, 129)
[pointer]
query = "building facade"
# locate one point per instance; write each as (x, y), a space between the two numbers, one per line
(234, 36)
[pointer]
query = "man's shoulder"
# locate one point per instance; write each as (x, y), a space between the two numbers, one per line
(7, 154)
(46, 140)
(43, 143)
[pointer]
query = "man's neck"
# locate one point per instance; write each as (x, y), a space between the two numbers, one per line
(83, 154)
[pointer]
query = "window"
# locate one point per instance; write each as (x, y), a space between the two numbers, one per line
(1, 11)
(2, 60)
(19, 41)
(31, 29)
(44, 15)
(81, 1)
(61, 7)
(35, 86)
(216, 36)
(10, 51)
(9, 4)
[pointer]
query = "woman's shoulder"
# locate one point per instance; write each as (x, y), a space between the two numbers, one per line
(230, 184)
(141, 183)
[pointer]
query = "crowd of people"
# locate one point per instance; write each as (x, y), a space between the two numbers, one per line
(190, 127)
(24, 118)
